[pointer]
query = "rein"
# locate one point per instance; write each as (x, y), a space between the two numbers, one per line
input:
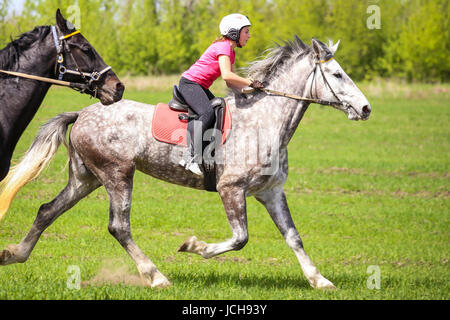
(60, 45)
(299, 98)
(292, 96)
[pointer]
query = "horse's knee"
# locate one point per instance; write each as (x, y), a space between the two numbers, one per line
(240, 242)
(115, 229)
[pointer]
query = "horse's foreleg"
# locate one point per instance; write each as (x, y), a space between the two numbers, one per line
(80, 184)
(119, 226)
(235, 207)
(276, 204)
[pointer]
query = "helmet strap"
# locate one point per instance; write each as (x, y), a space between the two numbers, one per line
(238, 37)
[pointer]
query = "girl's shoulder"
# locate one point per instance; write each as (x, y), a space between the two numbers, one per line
(222, 47)
(220, 43)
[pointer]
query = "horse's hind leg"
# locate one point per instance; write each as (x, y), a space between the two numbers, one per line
(235, 207)
(276, 204)
(81, 183)
(119, 185)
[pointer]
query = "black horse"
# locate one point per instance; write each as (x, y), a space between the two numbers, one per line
(56, 52)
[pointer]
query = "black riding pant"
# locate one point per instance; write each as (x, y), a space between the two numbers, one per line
(199, 99)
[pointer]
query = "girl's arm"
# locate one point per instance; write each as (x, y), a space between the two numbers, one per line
(229, 76)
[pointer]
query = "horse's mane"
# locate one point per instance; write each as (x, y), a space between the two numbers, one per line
(9, 56)
(276, 59)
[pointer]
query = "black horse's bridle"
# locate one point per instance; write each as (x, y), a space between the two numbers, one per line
(89, 79)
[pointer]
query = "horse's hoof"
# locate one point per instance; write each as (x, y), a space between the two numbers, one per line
(324, 284)
(160, 282)
(5, 257)
(193, 246)
(188, 245)
(12, 255)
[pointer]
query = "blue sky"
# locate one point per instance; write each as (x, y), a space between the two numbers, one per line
(17, 5)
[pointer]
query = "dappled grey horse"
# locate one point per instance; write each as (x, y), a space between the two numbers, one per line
(108, 143)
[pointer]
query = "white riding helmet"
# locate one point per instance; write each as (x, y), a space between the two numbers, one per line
(231, 26)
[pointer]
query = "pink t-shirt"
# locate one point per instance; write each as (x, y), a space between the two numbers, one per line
(206, 70)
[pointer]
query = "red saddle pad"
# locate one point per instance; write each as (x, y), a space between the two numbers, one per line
(166, 127)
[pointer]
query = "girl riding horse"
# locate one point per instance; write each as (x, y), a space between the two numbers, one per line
(217, 60)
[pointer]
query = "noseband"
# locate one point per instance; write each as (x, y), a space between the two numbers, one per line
(88, 78)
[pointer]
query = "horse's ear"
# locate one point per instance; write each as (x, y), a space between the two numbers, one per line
(316, 47)
(321, 50)
(334, 47)
(61, 22)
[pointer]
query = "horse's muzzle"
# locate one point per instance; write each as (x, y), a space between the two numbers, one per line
(111, 91)
(366, 110)
(120, 89)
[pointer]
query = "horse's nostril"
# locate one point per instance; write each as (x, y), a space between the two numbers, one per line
(366, 109)
(119, 86)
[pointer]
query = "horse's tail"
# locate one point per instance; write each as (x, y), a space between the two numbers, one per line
(38, 156)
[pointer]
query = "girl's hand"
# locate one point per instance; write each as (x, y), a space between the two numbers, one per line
(256, 84)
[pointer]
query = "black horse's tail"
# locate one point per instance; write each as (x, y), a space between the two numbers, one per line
(38, 156)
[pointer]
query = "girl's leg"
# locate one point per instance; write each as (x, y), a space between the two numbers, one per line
(198, 99)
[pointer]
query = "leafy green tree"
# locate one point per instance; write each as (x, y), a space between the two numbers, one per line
(175, 36)
(347, 21)
(305, 19)
(388, 38)
(424, 43)
(137, 51)
(4, 6)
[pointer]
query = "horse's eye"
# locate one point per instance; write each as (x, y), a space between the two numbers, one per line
(338, 75)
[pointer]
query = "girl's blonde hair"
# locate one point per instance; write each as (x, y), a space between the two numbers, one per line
(221, 38)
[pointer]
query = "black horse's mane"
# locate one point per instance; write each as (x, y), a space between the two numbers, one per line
(9, 56)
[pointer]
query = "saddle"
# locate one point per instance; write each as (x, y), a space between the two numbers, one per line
(170, 121)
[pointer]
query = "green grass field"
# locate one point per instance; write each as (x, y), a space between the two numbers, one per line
(362, 194)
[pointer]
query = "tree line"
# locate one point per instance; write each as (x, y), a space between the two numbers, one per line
(406, 39)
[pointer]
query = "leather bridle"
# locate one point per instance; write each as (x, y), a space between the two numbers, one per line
(89, 80)
(318, 62)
